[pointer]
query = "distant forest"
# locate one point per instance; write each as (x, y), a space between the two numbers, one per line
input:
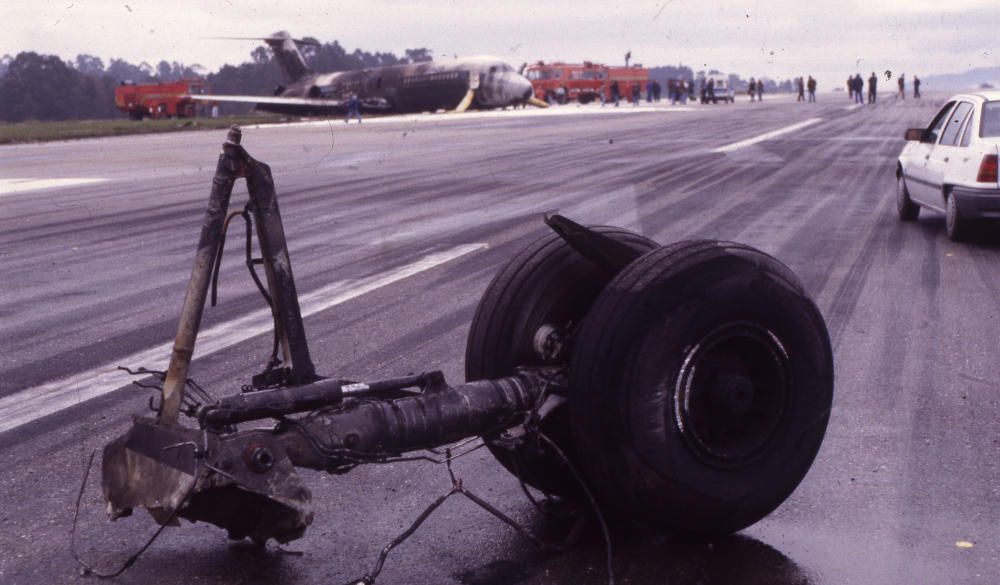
(44, 87)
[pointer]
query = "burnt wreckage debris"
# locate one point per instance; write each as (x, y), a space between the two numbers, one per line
(686, 387)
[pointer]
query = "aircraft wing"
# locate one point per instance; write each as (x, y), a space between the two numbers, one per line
(270, 100)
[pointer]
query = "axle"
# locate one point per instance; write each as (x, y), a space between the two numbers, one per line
(245, 481)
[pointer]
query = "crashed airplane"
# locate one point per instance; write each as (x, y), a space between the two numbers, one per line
(474, 82)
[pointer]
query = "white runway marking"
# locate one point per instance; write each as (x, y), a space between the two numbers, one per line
(34, 403)
(12, 186)
(766, 136)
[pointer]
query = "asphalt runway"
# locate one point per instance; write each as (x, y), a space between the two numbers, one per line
(395, 229)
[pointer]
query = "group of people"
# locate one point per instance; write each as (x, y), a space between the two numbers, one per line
(756, 88)
(653, 92)
(856, 85)
(803, 86)
(680, 90)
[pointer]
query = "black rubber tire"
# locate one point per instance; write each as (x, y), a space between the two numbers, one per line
(955, 225)
(546, 283)
(633, 410)
(905, 207)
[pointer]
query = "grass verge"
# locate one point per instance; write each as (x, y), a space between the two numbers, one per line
(72, 129)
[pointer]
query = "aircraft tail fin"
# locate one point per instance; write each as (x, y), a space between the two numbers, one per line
(286, 51)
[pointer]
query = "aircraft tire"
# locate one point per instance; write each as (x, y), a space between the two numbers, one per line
(547, 283)
(702, 380)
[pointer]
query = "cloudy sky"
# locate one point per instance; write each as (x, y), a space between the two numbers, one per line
(775, 38)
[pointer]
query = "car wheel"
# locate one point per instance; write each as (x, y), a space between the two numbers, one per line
(702, 381)
(907, 209)
(546, 285)
(954, 224)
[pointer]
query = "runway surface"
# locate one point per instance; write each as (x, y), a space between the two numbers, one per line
(395, 229)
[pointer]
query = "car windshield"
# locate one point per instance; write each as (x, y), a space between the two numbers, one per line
(991, 120)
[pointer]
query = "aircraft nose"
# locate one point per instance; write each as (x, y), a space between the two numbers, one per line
(522, 86)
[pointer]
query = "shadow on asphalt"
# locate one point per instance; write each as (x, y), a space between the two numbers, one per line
(653, 560)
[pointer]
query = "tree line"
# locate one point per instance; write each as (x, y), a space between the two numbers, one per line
(44, 87)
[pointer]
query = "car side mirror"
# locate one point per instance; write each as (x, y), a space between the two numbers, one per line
(915, 134)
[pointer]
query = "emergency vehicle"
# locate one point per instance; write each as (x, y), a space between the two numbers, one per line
(564, 82)
(159, 100)
(627, 77)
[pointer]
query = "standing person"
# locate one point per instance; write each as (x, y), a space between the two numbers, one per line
(752, 88)
(859, 86)
(353, 108)
(901, 82)
(811, 85)
(673, 91)
(602, 93)
(649, 91)
(850, 88)
(636, 93)
(872, 88)
(616, 92)
(802, 90)
(916, 87)
(760, 90)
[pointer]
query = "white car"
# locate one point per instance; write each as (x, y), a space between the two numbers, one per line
(951, 166)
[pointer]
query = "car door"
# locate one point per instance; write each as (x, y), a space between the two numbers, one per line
(917, 154)
(964, 165)
(945, 154)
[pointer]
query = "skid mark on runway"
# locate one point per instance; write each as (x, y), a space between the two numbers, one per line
(34, 403)
(15, 185)
(732, 147)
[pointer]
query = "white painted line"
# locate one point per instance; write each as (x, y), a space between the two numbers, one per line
(34, 403)
(852, 107)
(12, 186)
(766, 136)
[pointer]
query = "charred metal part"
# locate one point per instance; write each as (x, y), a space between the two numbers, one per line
(227, 171)
(242, 482)
(610, 254)
(245, 481)
(278, 270)
(285, 401)
(361, 431)
(235, 163)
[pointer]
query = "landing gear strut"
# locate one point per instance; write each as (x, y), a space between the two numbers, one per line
(689, 385)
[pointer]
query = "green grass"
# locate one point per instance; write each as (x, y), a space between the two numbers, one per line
(72, 129)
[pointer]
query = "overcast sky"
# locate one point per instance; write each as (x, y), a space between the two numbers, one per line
(777, 38)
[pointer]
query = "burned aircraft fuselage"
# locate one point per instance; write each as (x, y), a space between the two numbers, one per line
(416, 87)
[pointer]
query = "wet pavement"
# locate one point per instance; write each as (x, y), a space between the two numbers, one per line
(95, 258)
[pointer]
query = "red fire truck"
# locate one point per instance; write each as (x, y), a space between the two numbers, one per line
(583, 82)
(627, 78)
(159, 100)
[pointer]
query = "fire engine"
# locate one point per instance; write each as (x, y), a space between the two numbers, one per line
(583, 82)
(159, 100)
(627, 78)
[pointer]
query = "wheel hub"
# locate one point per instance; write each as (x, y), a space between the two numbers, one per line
(731, 394)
